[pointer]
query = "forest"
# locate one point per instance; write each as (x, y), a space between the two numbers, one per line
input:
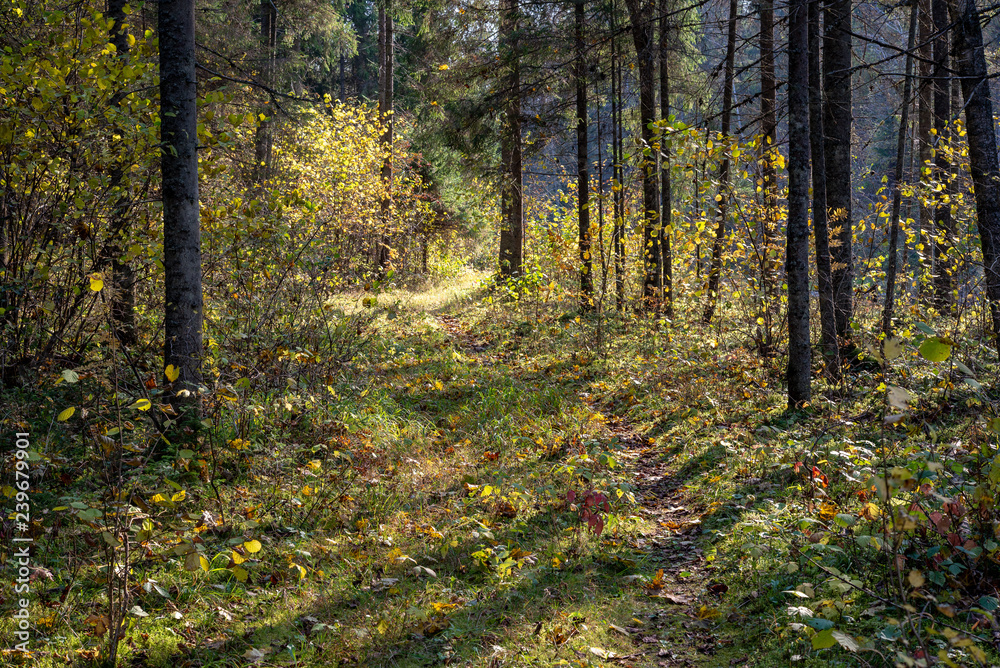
(499, 333)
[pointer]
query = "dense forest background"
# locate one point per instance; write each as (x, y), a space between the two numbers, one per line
(524, 332)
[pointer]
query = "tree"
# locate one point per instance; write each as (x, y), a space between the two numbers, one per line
(264, 142)
(386, 92)
(181, 225)
(797, 242)
(981, 133)
(641, 17)
(837, 121)
(666, 205)
(821, 232)
(122, 274)
(722, 211)
(512, 192)
(582, 161)
(768, 136)
(897, 184)
(944, 228)
(618, 168)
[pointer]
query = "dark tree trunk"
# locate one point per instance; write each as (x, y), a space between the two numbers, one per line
(797, 245)
(582, 164)
(122, 274)
(666, 205)
(264, 139)
(181, 230)
(925, 52)
(385, 109)
(897, 189)
(641, 15)
(837, 120)
(821, 231)
(715, 272)
(981, 134)
(618, 177)
(768, 131)
(512, 223)
(942, 116)
(343, 78)
(769, 278)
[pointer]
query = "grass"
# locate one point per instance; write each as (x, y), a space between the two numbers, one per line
(426, 504)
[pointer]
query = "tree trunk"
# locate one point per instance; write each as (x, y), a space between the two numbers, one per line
(925, 52)
(837, 121)
(897, 188)
(981, 134)
(385, 109)
(641, 15)
(942, 118)
(666, 205)
(122, 274)
(582, 165)
(343, 78)
(797, 244)
(618, 176)
(715, 272)
(181, 230)
(768, 129)
(512, 223)
(264, 140)
(821, 231)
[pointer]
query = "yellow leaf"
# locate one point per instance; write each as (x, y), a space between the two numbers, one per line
(66, 414)
(172, 373)
(96, 282)
(916, 578)
(718, 198)
(238, 558)
(252, 546)
(142, 405)
(179, 496)
(442, 67)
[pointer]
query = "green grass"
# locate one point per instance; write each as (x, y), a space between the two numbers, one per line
(413, 507)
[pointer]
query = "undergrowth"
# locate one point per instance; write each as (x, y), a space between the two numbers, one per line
(449, 477)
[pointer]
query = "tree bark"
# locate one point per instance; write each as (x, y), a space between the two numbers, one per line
(797, 242)
(512, 209)
(122, 275)
(582, 163)
(925, 52)
(618, 176)
(264, 140)
(641, 15)
(666, 205)
(386, 101)
(768, 131)
(181, 229)
(821, 231)
(897, 188)
(715, 271)
(837, 120)
(981, 134)
(944, 228)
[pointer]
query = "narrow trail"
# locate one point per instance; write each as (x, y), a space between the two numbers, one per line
(683, 582)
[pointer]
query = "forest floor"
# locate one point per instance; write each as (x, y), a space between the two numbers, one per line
(496, 484)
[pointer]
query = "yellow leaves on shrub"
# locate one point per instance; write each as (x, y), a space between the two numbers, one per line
(172, 373)
(96, 282)
(66, 414)
(252, 546)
